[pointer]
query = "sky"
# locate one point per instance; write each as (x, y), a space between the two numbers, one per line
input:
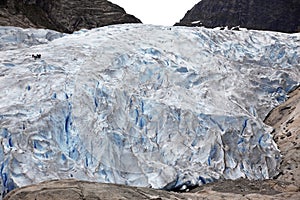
(158, 12)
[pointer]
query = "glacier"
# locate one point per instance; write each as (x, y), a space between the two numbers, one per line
(141, 105)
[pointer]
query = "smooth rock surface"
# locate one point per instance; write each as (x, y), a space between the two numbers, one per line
(274, 15)
(81, 190)
(62, 15)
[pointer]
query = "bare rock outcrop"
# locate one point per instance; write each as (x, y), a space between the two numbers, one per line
(79, 190)
(62, 15)
(274, 15)
(285, 119)
(82, 190)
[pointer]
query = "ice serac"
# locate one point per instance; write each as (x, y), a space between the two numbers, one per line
(142, 105)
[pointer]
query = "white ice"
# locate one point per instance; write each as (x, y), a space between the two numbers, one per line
(141, 105)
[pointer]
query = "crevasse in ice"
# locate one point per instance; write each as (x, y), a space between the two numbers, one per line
(141, 105)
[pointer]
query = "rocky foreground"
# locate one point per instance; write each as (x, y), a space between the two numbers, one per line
(286, 122)
(82, 190)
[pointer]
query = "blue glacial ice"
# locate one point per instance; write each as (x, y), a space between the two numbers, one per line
(141, 105)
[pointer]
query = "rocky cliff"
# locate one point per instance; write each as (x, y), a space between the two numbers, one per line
(62, 15)
(274, 15)
(285, 119)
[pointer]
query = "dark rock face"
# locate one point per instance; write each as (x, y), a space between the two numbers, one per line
(274, 15)
(3, 3)
(62, 15)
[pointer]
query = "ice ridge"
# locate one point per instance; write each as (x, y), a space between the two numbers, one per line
(141, 105)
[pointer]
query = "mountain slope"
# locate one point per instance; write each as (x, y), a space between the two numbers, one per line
(274, 15)
(286, 122)
(166, 107)
(62, 15)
